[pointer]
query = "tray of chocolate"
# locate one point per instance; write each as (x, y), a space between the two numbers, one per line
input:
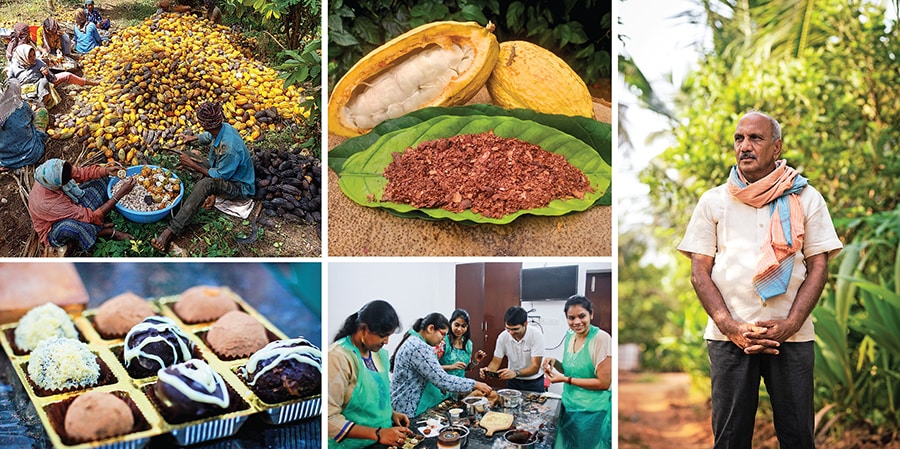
(187, 368)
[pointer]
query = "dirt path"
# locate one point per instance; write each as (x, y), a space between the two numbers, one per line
(660, 411)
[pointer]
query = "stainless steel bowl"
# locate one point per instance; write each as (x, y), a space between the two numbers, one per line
(510, 398)
(475, 405)
(463, 432)
(520, 439)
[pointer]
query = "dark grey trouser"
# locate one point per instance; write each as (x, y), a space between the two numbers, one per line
(202, 189)
(535, 385)
(735, 393)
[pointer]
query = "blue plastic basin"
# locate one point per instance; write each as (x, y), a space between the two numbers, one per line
(144, 217)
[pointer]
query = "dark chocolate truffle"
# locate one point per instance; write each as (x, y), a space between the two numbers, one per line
(235, 335)
(191, 390)
(153, 344)
(96, 415)
(284, 370)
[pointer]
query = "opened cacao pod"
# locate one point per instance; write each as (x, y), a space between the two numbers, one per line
(437, 64)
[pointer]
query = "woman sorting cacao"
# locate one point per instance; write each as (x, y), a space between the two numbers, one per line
(67, 204)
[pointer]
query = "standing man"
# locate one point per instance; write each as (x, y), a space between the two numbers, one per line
(759, 247)
(524, 347)
(230, 173)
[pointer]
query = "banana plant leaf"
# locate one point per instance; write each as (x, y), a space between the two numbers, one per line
(362, 174)
(596, 134)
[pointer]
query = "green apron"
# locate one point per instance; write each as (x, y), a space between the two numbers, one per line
(370, 403)
(584, 412)
(433, 395)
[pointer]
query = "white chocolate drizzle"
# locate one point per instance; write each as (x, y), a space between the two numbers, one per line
(181, 349)
(200, 374)
(299, 349)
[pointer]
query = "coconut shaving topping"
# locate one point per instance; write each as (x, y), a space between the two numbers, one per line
(63, 363)
(298, 349)
(197, 381)
(41, 323)
(491, 175)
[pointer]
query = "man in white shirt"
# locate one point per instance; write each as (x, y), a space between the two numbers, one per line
(759, 247)
(523, 346)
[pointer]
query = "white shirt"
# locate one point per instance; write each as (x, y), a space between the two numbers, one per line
(520, 352)
(732, 232)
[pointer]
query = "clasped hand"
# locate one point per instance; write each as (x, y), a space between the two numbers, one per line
(761, 337)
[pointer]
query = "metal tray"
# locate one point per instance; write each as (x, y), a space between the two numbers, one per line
(150, 423)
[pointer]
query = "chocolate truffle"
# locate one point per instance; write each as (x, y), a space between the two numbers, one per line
(41, 323)
(285, 369)
(235, 335)
(153, 344)
(96, 415)
(115, 317)
(190, 390)
(205, 303)
(61, 364)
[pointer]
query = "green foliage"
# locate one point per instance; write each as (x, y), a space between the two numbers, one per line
(858, 328)
(295, 19)
(305, 67)
(217, 237)
(837, 106)
(577, 31)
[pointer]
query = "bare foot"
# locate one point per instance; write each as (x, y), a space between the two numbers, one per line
(88, 82)
(121, 235)
(161, 242)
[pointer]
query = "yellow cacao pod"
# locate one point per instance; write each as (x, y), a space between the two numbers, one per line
(532, 77)
(436, 64)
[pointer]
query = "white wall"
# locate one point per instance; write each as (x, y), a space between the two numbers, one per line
(415, 289)
(552, 317)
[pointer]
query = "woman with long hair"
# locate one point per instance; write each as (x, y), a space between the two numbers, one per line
(359, 386)
(587, 374)
(456, 357)
(415, 365)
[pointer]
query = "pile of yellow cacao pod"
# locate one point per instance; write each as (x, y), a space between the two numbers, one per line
(153, 75)
(446, 64)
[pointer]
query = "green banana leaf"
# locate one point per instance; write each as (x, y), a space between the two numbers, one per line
(596, 134)
(362, 174)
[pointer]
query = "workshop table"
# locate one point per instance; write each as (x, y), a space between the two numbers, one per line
(272, 289)
(530, 415)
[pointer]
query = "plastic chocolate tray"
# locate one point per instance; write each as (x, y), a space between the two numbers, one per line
(149, 420)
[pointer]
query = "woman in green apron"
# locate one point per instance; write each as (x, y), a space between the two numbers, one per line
(457, 357)
(587, 373)
(359, 390)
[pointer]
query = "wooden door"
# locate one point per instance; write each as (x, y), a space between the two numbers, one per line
(486, 290)
(598, 288)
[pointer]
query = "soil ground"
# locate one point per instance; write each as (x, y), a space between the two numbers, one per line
(663, 411)
(284, 239)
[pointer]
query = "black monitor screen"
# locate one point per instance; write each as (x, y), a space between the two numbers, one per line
(547, 283)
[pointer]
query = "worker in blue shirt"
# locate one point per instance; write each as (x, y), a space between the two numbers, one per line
(230, 173)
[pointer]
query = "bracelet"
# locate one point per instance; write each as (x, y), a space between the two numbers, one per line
(378, 435)
(569, 380)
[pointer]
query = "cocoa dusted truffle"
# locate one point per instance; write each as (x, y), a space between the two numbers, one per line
(190, 390)
(96, 415)
(153, 344)
(118, 315)
(285, 369)
(62, 364)
(205, 303)
(41, 323)
(236, 335)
